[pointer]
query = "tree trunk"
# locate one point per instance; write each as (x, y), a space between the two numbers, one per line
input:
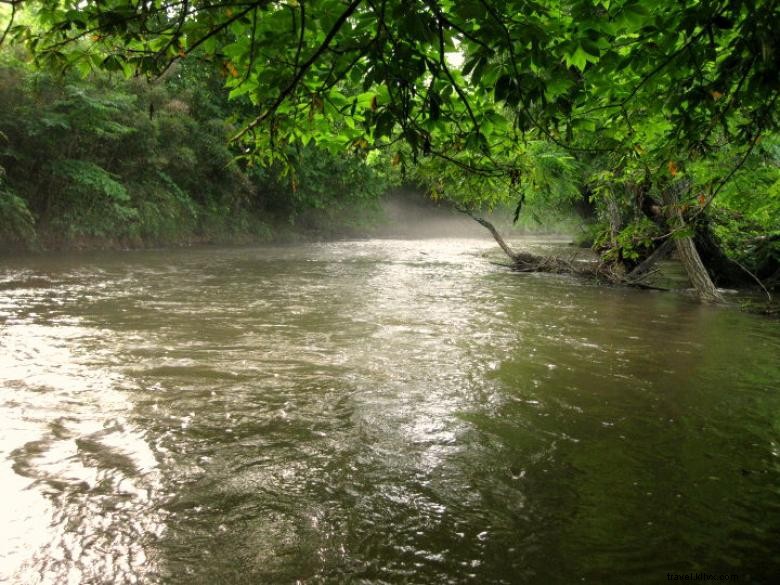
(526, 262)
(615, 218)
(496, 236)
(724, 271)
(697, 274)
(686, 250)
(647, 264)
(516, 257)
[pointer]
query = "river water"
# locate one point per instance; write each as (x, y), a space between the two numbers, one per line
(382, 411)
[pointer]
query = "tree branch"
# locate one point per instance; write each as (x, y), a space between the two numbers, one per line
(302, 71)
(10, 21)
(298, 50)
(458, 90)
(644, 267)
(493, 231)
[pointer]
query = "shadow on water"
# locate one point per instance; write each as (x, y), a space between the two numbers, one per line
(379, 412)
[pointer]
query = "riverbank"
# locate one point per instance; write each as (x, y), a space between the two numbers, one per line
(244, 230)
(105, 162)
(403, 213)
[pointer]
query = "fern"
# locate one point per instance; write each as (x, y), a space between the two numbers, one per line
(91, 179)
(16, 221)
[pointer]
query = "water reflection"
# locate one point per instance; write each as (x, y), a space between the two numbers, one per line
(75, 469)
(383, 412)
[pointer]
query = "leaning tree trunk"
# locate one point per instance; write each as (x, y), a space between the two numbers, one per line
(527, 262)
(686, 250)
(518, 258)
(724, 271)
(644, 268)
(496, 236)
(697, 273)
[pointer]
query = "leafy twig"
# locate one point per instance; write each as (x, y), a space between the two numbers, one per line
(302, 71)
(10, 21)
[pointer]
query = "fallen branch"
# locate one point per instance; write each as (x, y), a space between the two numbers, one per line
(754, 277)
(527, 262)
(643, 269)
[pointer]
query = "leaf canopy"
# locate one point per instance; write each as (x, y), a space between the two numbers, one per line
(463, 80)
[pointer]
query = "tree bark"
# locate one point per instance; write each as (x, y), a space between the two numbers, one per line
(615, 218)
(496, 236)
(697, 273)
(687, 252)
(644, 267)
(526, 262)
(724, 271)
(516, 257)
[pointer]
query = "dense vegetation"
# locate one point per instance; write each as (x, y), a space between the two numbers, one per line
(104, 161)
(658, 117)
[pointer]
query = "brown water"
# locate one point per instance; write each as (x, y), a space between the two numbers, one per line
(376, 412)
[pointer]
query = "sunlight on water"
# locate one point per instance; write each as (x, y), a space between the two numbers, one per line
(72, 464)
(376, 411)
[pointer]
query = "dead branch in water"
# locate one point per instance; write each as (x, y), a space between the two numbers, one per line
(527, 262)
(644, 269)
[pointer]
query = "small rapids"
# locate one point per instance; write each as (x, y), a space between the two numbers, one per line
(381, 411)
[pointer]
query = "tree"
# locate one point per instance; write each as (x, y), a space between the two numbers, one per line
(105, 161)
(468, 82)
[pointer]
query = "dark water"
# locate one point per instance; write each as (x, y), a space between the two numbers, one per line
(377, 412)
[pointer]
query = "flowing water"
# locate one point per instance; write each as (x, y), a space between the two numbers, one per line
(382, 411)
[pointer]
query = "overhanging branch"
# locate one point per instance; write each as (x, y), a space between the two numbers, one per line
(285, 93)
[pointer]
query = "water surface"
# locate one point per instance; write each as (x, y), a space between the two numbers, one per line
(382, 411)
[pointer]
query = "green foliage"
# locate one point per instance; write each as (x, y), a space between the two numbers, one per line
(545, 180)
(126, 162)
(746, 214)
(16, 222)
(630, 243)
(654, 109)
(92, 202)
(754, 190)
(445, 77)
(325, 193)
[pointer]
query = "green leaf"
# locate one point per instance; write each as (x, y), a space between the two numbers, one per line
(580, 58)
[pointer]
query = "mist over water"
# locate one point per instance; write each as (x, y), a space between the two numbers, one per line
(376, 411)
(409, 216)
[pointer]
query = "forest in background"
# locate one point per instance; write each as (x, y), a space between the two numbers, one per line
(657, 122)
(101, 161)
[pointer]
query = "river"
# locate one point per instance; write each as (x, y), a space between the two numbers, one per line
(381, 411)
